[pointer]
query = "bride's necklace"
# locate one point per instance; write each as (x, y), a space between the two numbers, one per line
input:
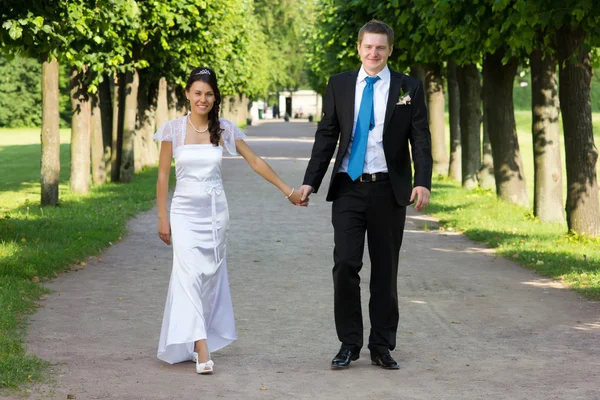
(196, 129)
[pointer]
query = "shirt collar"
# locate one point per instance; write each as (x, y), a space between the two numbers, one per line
(384, 74)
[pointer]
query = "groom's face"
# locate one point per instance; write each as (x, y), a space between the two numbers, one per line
(374, 51)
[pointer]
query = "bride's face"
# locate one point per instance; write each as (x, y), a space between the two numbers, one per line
(201, 97)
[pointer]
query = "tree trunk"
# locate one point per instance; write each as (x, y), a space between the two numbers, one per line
(498, 106)
(106, 115)
(162, 105)
(97, 144)
(172, 101)
(434, 91)
(117, 127)
(575, 76)
(130, 106)
(147, 98)
(454, 170)
(548, 196)
(50, 136)
(486, 172)
(151, 126)
(80, 134)
(182, 103)
(418, 72)
(470, 123)
(140, 150)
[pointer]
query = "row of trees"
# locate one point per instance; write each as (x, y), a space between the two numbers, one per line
(128, 61)
(477, 47)
(21, 94)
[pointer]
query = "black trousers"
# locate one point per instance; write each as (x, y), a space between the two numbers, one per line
(369, 207)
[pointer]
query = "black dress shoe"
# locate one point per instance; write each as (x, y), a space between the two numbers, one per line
(343, 358)
(385, 361)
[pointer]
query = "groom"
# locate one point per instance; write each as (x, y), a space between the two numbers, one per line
(374, 112)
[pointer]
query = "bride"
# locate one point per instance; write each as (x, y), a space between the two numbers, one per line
(198, 317)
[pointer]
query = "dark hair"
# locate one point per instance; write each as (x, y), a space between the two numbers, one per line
(376, 26)
(205, 74)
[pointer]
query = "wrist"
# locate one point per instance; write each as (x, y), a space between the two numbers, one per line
(285, 189)
(289, 192)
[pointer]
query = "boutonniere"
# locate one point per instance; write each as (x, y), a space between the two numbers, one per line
(404, 98)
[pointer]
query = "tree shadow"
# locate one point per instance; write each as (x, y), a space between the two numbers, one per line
(580, 264)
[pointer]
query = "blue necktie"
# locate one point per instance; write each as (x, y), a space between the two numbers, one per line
(364, 123)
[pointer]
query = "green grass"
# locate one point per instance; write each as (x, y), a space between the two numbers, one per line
(523, 121)
(38, 243)
(514, 232)
(20, 166)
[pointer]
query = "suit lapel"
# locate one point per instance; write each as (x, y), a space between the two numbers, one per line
(395, 85)
(349, 100)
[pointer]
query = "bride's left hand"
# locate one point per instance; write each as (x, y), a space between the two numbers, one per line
(296, 199)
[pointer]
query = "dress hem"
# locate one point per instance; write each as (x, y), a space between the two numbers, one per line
(229, 340)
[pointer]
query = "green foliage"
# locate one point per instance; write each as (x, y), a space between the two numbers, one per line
(32, 28)
(21, 96)
(234, 55)
(283, 24)
(99, 35)
(332, 40)
(166, 38)
(465, 31)
(415, 41)
(178, 35)
(20, 92)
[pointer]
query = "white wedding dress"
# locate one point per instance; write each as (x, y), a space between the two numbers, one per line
(198, 302)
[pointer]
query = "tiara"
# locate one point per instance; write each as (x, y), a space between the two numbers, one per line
(203, 72)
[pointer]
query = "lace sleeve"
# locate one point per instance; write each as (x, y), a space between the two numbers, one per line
(164, 133)
(231, 133)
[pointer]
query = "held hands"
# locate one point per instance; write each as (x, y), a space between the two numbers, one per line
(422, 194)
(164, 230)
(295, 199)
(305, 191)
(300, 197)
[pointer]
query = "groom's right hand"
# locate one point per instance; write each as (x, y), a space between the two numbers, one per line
(305, 191)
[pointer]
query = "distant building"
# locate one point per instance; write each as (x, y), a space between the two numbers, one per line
(301, 102)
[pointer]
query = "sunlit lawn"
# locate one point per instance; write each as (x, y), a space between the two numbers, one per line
(523, 120)
(513, 230)
(20, 166)
(37, 243)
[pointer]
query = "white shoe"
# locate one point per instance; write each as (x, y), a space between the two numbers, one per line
(195, 356)
(205, 368)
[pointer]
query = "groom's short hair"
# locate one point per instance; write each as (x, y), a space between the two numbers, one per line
(376, 26)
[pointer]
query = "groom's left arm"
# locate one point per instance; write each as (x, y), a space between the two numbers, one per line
(326, 138)
(420, 140)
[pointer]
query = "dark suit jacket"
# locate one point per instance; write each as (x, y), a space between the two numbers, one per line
(403, 124)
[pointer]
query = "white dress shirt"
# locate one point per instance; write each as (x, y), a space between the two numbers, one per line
(375, 157)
